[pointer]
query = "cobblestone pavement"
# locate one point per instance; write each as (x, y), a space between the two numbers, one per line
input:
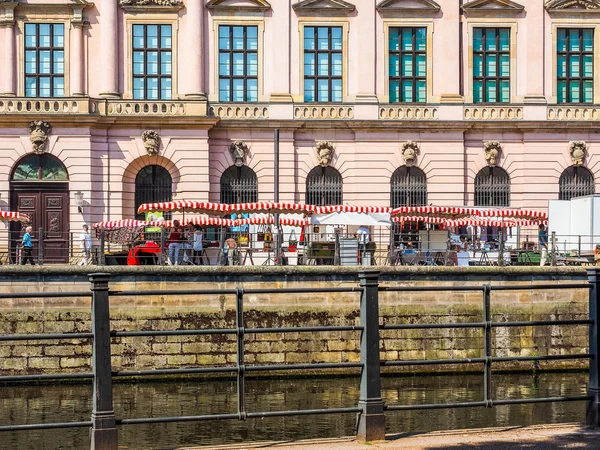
(540, 437)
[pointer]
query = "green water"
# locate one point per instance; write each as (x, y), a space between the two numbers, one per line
(34, 404)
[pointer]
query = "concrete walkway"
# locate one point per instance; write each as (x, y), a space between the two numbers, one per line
(541, 437)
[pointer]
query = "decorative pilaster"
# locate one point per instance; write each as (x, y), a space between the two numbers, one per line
(109, 49)
(195, 50)
(77, 75)
(8, 52)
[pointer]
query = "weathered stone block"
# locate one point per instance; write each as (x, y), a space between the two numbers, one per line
(67, 362)
(45, 363)
(181, 360)
(166, 348)
(27, 350)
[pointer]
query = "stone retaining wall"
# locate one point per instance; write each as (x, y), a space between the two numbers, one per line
(284, 310)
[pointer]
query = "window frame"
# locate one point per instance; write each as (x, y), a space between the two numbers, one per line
(468, 72)
(562, 185)
(581, 53)
(384, 45)
(145, 50)
(414, 53)
(496, 193)
(332, 22)
(243, 172)
(484, 54)
(330, 52)
(420, 187)
(245, 52)
(34, 18)
(38, 49)
(151, 19)
(213, 95)
(324, 194)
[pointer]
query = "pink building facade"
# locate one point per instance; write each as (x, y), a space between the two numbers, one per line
(445, 102)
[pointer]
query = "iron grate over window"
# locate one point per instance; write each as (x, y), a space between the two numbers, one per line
(324, 187)
(408, 187)
(492, 187)
(239, 185)
(575, 181)
(153, 184)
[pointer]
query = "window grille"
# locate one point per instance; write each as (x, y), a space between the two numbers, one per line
(492, 187)
(323, 64)
(575, 65)
(491, 65)
(152, 62)
(575, 181)
(238, 63)
(408, 187)
(324, 187)
(153, 184)
(239, 185)
(44, 60)
(408, 64)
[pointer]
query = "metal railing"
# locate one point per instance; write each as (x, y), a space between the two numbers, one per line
(370, 408)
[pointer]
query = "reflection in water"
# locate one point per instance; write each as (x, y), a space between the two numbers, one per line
(34, 404)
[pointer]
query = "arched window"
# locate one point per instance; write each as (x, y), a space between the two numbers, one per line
(575, 181)
(492, 187)
(153, 184)
(43, 167)
(408, 187)
(324, 187)
(239, 185)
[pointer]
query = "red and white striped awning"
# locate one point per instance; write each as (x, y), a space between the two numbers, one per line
(439, 211)
(352, 209)
(271, 207)
(12, 216)
(491, 222)
(202, 221)
(217, 209)
(527, 214)
(424, 219)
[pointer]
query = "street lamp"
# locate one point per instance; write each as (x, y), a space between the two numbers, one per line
(79, 201)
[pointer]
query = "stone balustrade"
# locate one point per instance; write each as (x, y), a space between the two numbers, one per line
(324, 112)
(44, 106)
(240, 111)
(168, 108)
(573, 113)
(493, 113)
(408, 113)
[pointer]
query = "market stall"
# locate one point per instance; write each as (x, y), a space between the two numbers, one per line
(13, 216)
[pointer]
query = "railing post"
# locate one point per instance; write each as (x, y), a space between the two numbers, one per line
(104, 430)
(371, 422)
(163, 239)
(102, 245)
(41, 247)
(553, 248)
(500, 247)
(593, 406)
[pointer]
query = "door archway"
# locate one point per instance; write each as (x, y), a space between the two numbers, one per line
(39, 187)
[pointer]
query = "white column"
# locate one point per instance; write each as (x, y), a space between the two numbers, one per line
(8, 58)
(109, 38)
(77, 64)
(194, 49)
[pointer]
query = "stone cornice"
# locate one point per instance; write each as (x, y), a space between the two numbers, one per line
(504, 8)
(234, 5)
(151, 5)
(572, 5)
(329, 7)
(404, 7)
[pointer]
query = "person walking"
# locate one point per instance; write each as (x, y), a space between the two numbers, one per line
(197, 245)
(27, 247)
(543, 242)
(85, 244)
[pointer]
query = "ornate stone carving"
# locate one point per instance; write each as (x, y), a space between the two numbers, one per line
(238, 150)
(572, 4)
(38, 135)
(324, 152)
(492, 151)
(151, 2)
(577, 150)
(410, 151)
(151, 142)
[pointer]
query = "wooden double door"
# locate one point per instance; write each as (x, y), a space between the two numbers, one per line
(48, 206)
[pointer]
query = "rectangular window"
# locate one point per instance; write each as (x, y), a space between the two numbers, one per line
(44, 60)
(323, 64)
(491, 65)
(238, 63)
(574, 65)
(408, 65)
(152, 62)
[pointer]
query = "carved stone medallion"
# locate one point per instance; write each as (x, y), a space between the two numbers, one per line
(410, 151)
(577, 150)
(324, 151)
(492, 151)
(38, 135)
(151, 2)
(238, 150)
(151, 142)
